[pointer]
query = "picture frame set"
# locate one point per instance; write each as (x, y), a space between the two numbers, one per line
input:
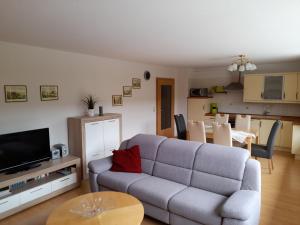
(117, 100)
(18, 93)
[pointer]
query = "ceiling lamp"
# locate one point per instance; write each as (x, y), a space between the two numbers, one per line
(242, 64)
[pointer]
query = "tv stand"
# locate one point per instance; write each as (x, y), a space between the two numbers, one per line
(26, 167)
(31, 187)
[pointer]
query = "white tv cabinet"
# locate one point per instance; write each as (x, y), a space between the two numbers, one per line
(36, 190)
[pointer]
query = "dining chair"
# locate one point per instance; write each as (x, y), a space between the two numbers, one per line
(222, 134)
(196, 131)
(180, 127)
(222, 118)
(243, 123)
(266, 151)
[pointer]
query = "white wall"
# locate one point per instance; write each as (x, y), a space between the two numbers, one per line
(76, 75)
(233, 101)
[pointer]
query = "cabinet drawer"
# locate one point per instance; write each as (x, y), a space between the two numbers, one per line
(35, 193)
(9, 203)
(64, 181)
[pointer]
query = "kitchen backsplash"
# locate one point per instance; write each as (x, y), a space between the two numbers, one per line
(232, 102)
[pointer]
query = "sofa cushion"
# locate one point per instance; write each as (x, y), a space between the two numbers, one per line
(128, 160)
(175, 160)
(149, 145)
(198, 205)
(219, 169)
(155, 191)
(119, 181)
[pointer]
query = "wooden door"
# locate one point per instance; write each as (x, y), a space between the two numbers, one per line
(165, 106)
(253, 88)
(290, 87)
(286, 133)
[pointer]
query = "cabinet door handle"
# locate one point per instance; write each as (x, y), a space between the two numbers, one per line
(262, 95)
(111, 121)
(259, 123)
(94, 124)
(68, 178)
(2, 203)
(284, 95)
(36, 190)
(297, 95)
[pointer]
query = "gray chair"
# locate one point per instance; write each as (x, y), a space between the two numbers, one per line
(266, 151)
(181, 127)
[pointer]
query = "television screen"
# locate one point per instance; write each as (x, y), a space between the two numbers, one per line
(24, 148)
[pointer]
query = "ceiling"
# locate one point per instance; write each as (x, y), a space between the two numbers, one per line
(196, 33)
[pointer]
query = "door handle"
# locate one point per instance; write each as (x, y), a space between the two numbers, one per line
(284, 95)
(297, 95)
(262, 95)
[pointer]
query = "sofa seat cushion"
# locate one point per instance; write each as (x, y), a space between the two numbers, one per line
(198, 205)
(155, 191)
(119, 181)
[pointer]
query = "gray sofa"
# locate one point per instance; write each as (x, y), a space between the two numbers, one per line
(187, 183)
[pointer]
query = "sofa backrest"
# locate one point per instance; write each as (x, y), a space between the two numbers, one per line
(175, 160)
(149, 145)
(219, 169)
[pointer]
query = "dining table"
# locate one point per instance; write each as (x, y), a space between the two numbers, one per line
(237, 135)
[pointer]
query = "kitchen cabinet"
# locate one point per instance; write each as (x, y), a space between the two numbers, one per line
(197, 108)
(286, 133)
(272, 88)
(264, 131)
(296, 141)
(290, 87)
(253, 88)
(92, 138)
(283, 137)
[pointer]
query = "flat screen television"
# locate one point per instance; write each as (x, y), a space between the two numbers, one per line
(22, 150)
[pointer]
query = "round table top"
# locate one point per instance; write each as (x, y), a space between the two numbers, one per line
(122, 209)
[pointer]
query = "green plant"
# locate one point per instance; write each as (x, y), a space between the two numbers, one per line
(90, 101)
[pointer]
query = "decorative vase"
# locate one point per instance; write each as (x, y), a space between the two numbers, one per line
(91, 112)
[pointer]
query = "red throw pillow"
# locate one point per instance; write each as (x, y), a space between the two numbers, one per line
(128, 160)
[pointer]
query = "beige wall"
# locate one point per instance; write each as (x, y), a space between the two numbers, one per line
(77, 75)
(233, 101)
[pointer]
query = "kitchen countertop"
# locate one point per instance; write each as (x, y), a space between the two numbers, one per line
(294, 119)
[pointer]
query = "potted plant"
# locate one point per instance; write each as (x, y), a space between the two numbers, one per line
(90, 102)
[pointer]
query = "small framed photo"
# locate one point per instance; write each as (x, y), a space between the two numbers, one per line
(15, 93)
(127, 91)
(136, 83)
(49, 92)
(117, 100)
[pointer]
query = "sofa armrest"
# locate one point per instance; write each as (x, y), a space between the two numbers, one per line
(241, 205)
(100, 165)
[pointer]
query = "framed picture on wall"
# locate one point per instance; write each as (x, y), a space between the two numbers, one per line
(127, 91)
(15, 93)
(136, 83)
(49, 92)
(117, 100)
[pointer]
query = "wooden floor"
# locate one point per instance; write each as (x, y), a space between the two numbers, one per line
(280, 197)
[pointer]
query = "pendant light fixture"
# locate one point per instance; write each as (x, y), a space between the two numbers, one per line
(241, 65)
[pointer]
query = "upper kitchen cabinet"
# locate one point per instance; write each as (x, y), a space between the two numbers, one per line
(290, 87)
(272, 88)
(253, 88)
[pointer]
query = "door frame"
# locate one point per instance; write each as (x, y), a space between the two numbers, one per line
(161, 81)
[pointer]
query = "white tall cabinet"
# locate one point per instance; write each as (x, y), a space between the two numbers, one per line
(92, 138)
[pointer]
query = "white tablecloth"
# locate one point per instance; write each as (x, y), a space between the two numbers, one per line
(237, 135)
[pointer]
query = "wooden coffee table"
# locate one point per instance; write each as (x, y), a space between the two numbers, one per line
(125, 210)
